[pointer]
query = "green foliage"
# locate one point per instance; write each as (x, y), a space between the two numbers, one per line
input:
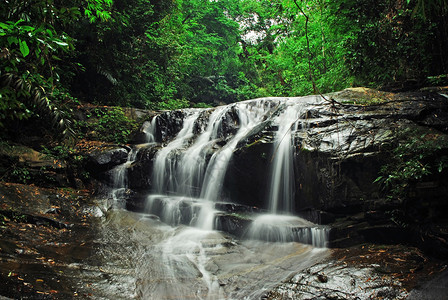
(20, 174)
(351, 43)
(74, 160)
(386, 44)
(167, 51)
(98, 9)
(416, 157)
(173, 104)
(58, 152)
(275, 48)
(134, 69)
(108, 125)
(34, 47)
(24, 85)
(169, 54)
(202, 105)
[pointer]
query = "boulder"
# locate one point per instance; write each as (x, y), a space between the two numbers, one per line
(139, 173)
(105, 159)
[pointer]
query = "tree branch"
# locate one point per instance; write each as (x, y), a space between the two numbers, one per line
(307, 46)
(310, 69)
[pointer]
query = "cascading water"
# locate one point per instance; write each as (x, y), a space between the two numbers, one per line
(279, 225)
(194, 160)
(188, 175)
(181, 168)
(189, 171)
(282, 185)
(149, 129)
(120, 180)
(120, 173)
(250, 114)
(166, 160)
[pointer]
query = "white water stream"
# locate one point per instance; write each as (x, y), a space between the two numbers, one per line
(164, 172)
(282, 185)
(250, 114)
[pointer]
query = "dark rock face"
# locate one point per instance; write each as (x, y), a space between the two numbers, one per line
(169, 124)
(337, 156)
(232, 224)
(139, 173)
(229, 124)
(104, 160)
(247, 175)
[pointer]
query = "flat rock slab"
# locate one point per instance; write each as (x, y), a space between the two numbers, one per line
(367, 272)
(337, 281)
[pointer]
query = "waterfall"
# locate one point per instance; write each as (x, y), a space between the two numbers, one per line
(149, 129)
(279, 225)
(120, 173)
(250, 114)
(166, 161)
(282, 185)
(190, 166)
(183, 169)
(194, 161)
(120, 180)
(287, 228)
(183, 172)
(201, 245)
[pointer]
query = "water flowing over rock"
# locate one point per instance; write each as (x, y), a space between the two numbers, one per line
(270, 198)
(257, 174)
(336, 281)
(303, 156)
(185, 173)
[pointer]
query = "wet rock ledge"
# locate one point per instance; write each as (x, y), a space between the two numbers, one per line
(365, 272)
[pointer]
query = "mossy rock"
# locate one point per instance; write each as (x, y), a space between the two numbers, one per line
(362, 96)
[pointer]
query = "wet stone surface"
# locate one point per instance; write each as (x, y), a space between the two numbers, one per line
(338, 281)
(63, 244)
(45, 235)
(364, 272)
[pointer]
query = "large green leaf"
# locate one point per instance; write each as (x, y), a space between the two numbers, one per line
(24, 48)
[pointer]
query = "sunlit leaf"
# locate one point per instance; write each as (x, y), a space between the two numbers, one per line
(18, 22)
(24, 48)
(27, 28)
(4, 26)
(60, 43)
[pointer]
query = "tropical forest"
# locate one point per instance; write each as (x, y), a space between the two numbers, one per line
(224, 149)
